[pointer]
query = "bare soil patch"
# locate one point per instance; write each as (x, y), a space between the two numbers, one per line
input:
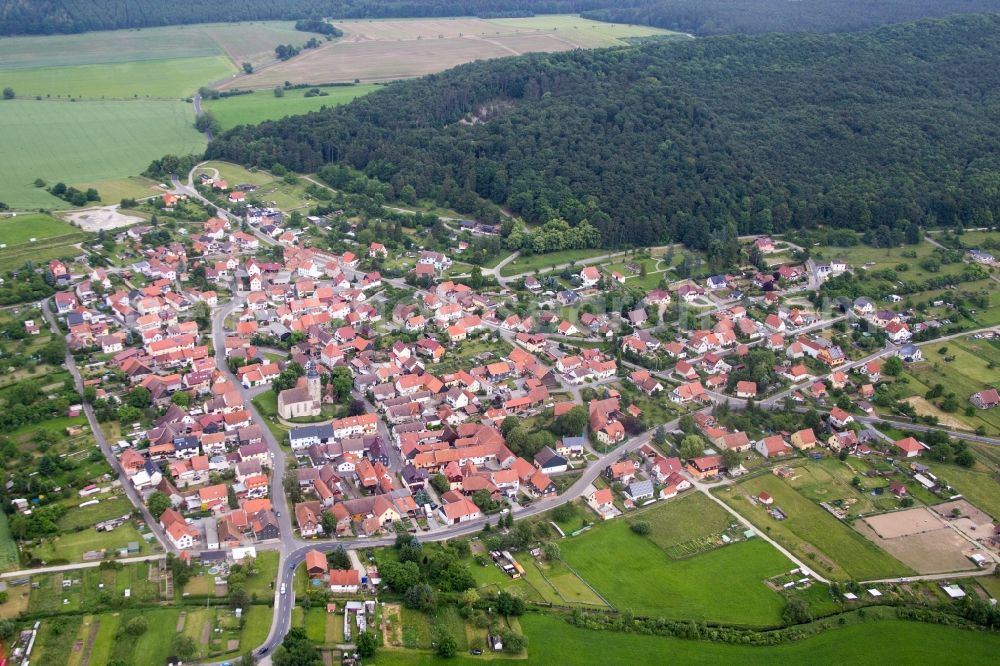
(925, 408)
(904, 523)
(971, 516)
(934, 551)
(104, 217)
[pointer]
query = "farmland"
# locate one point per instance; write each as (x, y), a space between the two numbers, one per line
(262, 105)
(810, 532)
(383, 50)
(159, 79)
(553, 641)
(252, 42)
(81, 142)
(649, 582)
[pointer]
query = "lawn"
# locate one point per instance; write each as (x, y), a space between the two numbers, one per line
(83, 142)
(632, 572)
(543, 262)
(267, 573)
(553, 641)
(174, 78)
(815, 535)
(262, 105)
(72, 546)
(100, 652)
(257, 626)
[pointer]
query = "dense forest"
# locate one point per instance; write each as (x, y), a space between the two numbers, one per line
(18, 17)
(723, 17)
(679, 140)
(701, 17)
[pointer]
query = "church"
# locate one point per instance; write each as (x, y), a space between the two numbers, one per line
(305, 400)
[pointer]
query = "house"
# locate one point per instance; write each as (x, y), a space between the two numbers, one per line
(839, 418)
(774, 446)
(640, 491)
(603, 502)
(549, 461)
(981, 257)
(898, 332)
(803, 439)
(459, 511)
(987, 399)
(765, 498)
(716, 282)
(344, 581)
(910, 447)
(704, 467)
(764, 244)
(620, 472)
(589, 276)
(910, 353)
(685, 393)
(316, 566)
(746, 390)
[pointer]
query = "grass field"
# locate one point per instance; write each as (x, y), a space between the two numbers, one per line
(159, 79)
(631, 571)
(684, 521)
(20, 229)
(816, 536)
(580, 32)
(155, 644)
(982, 488)
(263, 105)
(108, 507)
(968, 373)
(553, 641)
(8, 547)
(114, 190)
(79, 142)
(543, 262)
(72, 546)
(253, 42)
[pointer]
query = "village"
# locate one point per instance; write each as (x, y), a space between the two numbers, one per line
(255, 392)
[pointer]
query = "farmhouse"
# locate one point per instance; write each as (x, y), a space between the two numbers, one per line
(985, 399)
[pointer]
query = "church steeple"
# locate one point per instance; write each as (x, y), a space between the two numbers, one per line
(312, 381)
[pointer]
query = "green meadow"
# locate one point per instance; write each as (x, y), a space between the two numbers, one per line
(262, 105)
(633, 572)
(78, 142)
(163, 79)
(553, 641)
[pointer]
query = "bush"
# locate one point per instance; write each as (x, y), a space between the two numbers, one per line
(641, 528)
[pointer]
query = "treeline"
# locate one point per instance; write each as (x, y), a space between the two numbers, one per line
(694, 141)
(44, 17)
(320, 26)
(722, 17)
